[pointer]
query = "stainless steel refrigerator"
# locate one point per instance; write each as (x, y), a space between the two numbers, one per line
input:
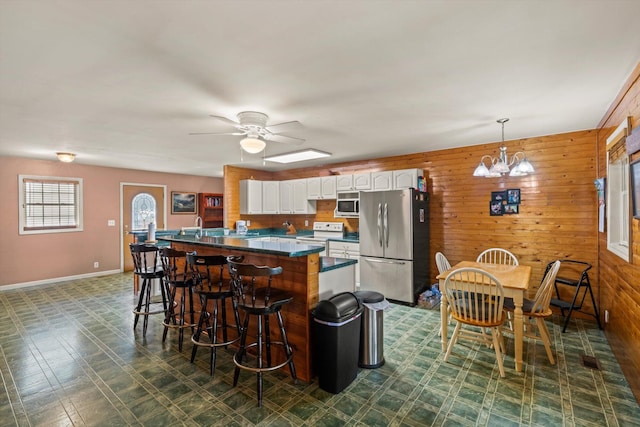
(394, 243)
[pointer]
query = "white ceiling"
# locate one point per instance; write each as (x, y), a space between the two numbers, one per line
(123, 83)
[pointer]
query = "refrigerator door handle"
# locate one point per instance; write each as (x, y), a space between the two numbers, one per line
(386, 225)
(380, 232)
(383, 261)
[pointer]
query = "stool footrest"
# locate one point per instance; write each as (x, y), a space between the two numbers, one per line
(272, 367)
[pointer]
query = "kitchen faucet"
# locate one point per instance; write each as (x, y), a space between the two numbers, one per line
(198, 222)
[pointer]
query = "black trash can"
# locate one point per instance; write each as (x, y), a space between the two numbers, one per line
(372, 331)
(336, 344)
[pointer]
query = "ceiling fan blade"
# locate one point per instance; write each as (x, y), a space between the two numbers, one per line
(217, 133)
(224, 119)
(286, 126)
(284, 139)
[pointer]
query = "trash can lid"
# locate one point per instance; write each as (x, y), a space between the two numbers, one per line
(337, 308)
(369, 296)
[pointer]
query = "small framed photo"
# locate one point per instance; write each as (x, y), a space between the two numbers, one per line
(498, 196)
(511, 208)
(495, 208)
(513, 196)
(183, 202)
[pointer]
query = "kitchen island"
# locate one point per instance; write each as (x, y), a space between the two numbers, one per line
(300, 276)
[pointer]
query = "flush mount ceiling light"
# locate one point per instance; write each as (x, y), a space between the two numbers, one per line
(298, 156)
(502, 165)
(252, 144)
(66, 157)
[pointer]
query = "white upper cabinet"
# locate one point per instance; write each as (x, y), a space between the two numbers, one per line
(382, 181)
(358, 181)
(344, 182)
(362, 181)
(406, 178)
(301, 204)
(314, 188)
(321, 188)
(286, 196)
(329, 187)
(270, 197)
(250, 197)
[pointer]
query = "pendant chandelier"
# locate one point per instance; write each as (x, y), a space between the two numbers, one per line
(502, 165)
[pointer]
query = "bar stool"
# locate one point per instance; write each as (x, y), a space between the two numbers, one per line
(576, 274)
(146, 266)
(256, 297)
(177, 277)
(207, 271)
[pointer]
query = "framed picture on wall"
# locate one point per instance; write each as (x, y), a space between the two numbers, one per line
(513, 196)
(498, 196)
(183, 202)
(511, 208)
(495, 208)
(635, 187)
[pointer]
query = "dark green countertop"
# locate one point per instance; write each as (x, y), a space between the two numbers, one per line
(141, 235)
(289, 249)
(330, 263)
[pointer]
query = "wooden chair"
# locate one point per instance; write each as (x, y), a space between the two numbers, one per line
(497, 256)
(539, 309)
(177, 276)
(443, 265)
(214, 292)
(257, 298)
(476, 300)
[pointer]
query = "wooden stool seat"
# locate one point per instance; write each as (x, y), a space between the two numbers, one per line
(257, 298)
(213, 290)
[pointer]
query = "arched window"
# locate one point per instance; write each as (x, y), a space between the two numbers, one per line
(143, 211)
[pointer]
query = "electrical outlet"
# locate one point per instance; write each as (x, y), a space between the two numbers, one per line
(306, 222)
(248, 223)
(606, 316)
(111, 223)
(96, 264)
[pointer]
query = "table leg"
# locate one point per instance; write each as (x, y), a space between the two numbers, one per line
(444, 317)
(518, 330)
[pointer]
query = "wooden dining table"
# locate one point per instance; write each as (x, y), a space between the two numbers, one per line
(515, 282)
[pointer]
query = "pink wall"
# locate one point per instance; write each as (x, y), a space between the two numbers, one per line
(28, 258)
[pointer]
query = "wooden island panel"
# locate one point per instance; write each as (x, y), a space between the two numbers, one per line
(299, 277)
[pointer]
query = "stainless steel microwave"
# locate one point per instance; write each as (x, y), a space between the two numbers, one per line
(347, 205)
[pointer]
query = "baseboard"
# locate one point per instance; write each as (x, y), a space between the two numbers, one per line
(57, 279)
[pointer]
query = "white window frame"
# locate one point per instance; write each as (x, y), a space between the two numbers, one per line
(24, 229)
(618, 224)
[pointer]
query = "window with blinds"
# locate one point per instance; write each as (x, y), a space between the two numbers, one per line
(50, 204)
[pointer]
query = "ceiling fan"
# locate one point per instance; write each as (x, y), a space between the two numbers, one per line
(253, 125)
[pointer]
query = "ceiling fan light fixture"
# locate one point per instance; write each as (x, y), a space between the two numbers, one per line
(252, 145)
(66, 157)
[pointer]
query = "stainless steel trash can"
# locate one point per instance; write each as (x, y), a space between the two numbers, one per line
(372, 330)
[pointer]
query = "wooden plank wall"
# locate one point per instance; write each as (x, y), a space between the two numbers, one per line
(619, 280)
(558, 211)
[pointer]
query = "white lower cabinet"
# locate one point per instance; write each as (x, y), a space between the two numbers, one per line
(349, 250)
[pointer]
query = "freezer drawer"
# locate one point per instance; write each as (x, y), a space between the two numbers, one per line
(392, 278)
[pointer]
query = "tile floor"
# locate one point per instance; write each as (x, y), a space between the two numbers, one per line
(69, 356)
